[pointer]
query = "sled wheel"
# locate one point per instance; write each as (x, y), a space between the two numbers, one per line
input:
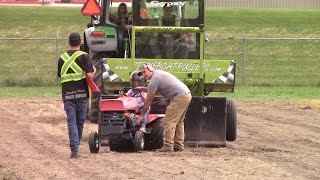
(138, 143)
(231, 133)
(94, 143)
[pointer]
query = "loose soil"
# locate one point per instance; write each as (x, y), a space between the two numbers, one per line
(276, 140)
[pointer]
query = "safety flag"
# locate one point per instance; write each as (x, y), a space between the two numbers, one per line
(94, 88)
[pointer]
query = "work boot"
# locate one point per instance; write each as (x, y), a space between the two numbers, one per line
(164, 149)
(178, 149)
(74, 155)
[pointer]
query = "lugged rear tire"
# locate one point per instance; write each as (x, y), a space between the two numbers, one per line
(231, 132)
(97, 62)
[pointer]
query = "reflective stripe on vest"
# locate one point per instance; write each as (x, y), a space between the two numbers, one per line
(69, 62)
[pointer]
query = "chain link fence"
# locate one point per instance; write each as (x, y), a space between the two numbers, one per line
(30, 61)
(270, 61)
(260, 61)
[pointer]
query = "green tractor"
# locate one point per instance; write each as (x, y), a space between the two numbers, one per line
(176, 47)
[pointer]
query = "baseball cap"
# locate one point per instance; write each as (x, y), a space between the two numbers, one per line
(143, 67)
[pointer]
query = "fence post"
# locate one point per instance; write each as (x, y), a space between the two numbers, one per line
(57, 52)
(243, 58)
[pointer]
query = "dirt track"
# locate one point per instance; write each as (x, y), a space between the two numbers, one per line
(276, 139)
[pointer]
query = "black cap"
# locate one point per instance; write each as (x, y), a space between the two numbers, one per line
(74, 36)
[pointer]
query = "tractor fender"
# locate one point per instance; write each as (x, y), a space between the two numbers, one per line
(120, 104)
(108, 42)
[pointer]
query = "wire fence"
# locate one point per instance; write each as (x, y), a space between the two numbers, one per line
(270, 61)
(260, 61)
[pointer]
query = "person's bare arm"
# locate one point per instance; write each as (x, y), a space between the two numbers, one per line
(142, 88)
(143, 96)
(90, 74)
(147, 103)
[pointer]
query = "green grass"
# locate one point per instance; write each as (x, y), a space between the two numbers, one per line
(272, 93)
(267, 63)
(40, 21)
(271, 62)
(30, 92)
(44, 21)
(240, 93)
(230, 22)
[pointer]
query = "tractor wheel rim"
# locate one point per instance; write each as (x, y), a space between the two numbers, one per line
(96, 142)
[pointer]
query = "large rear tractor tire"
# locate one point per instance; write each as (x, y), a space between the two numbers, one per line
(231, 133)
(97, 61)
(94, 143)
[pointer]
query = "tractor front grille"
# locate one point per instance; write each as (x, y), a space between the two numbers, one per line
(112, 123)
(113, 119)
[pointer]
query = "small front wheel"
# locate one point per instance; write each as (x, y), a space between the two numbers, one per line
(138, 141)
(94, 143)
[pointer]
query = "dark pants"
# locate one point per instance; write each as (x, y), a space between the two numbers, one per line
(76, 115)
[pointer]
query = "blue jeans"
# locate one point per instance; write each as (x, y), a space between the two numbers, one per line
(76, 115)
(144, 119)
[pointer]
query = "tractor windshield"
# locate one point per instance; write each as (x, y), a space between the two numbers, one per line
(173, 44)
(181, 10)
